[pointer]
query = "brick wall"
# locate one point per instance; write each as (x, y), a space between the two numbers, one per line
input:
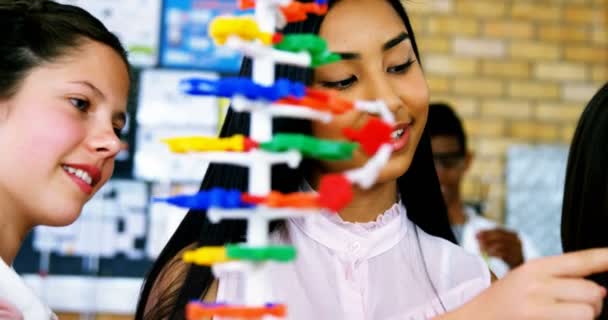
(517, 71)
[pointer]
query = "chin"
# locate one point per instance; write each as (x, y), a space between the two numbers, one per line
(63, 217)
(395, 168)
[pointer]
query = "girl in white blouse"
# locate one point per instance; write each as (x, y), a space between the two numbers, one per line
(63, 95)
(390, 253)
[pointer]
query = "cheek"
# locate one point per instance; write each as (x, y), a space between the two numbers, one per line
(453, 177)
(416, 100)
(108, 169)
(106, 174)
(333, 129)
(53, 133)
(415, 93)
(323, 130)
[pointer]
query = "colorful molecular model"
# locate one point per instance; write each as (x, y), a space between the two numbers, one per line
(265, 97)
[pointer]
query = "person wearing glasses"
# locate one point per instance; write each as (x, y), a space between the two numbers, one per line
(502, 248)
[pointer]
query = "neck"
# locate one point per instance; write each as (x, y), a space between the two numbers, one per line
(13, 229)
(368, 204)
(456, 211)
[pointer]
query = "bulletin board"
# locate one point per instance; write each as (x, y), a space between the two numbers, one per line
(135, 22)
(164, 112)
(184, 39)
(535, 187)
(104, 248)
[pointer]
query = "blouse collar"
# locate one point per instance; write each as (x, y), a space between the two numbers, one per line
(364, 240)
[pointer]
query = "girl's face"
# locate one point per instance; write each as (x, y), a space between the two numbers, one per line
(378, 63)
(59, 134)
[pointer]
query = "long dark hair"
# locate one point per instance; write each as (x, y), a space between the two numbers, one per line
(585, 206)
(418, 187)
(33, 32)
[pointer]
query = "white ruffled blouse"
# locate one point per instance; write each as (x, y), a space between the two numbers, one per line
(382, 270)
(14, 291)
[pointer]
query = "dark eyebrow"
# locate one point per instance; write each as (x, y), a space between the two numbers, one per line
(386, 46)
(92, 87)
(348, 55)
(395, 41)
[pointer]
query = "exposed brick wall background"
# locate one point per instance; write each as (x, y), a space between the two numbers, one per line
(517, 71)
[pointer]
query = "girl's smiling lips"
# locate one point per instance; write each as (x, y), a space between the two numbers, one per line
(85, 176)
(400, 135)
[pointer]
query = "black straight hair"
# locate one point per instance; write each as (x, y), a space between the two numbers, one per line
(34, 32)
(443, 121)
(418, 188)
(585, 205)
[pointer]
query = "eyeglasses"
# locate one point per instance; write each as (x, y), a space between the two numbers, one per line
(448, 160)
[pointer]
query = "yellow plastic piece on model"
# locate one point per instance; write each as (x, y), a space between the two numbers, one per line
(197, 144)
(206, 256)
(245, 27)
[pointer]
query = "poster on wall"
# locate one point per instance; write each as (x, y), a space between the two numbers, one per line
(535, 185)
(97, 263)
(185, 42)
(135, 22)
(165, 112)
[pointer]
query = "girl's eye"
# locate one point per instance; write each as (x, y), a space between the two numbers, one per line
(340, 85)
(401, 68)
(80, 104)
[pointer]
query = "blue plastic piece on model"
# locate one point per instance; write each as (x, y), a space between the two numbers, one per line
(229, 87)
(203, 200)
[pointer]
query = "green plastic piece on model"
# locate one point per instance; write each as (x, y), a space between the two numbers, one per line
(313, 44)
(275, 253)
(311, 147)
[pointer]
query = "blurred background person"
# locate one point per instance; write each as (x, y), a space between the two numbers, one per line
(503, 249)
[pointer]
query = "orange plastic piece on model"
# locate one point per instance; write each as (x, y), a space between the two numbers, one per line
(246, 4)
(280, 200)
(298, 11)
(246, 197)
(294, 200)
(293, 12)
(322, 100)
(195, 311)
(335, 103)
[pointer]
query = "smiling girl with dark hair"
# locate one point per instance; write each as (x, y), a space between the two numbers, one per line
(64, 82)
(393, 237)
(390, 254)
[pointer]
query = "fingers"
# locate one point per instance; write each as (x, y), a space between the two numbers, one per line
(495, 238)
(497, 235)
(495, 251)
(575, 264)
(505, 251)
(576, 291)
(502, 244)
(500, 248)
(567, 311)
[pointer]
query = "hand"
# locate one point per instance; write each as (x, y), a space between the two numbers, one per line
(503, 244)
(9, 312)
(542, 289)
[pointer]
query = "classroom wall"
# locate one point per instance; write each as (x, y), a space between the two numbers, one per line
(517, 71)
